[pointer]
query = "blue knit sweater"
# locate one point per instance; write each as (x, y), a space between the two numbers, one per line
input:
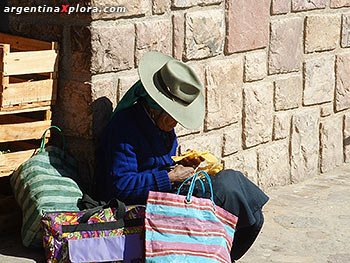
(132, 157)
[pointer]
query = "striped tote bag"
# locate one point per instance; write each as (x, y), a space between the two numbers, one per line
(42, 184)
(186, 228)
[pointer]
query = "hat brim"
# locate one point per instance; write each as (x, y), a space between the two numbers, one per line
(190, 116)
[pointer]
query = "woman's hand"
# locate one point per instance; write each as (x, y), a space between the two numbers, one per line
(180, 173)
(192, 161)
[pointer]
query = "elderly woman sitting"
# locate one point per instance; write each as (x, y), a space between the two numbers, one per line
(134, 155)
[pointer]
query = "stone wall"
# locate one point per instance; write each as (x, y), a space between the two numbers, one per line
(276, 76)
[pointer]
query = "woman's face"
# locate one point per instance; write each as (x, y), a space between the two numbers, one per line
(163, 120)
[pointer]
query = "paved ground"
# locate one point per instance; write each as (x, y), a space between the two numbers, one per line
(307, 222)
(304, 223)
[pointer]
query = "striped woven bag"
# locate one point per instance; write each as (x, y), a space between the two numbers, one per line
(186, 228)
(42, 184)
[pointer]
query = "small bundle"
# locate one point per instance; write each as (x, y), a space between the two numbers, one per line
(203, 161)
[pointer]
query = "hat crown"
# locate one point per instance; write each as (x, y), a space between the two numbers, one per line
(180, 80)
(174, 86)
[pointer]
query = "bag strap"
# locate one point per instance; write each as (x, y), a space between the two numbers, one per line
(42, 144)
(86, 202)
(193, 182)
(95, 206)
(200, 180)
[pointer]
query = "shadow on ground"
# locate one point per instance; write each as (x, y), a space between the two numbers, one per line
(12, 250)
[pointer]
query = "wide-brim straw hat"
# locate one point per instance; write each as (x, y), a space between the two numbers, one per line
(174, 86)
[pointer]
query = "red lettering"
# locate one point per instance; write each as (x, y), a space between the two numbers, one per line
(64, 9)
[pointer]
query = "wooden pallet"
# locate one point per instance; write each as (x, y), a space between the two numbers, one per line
(20, 133)
(28, 83)
(28, 72)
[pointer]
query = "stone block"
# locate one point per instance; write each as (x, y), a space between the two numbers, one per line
(182, 131)
(339, 3)
(331, 143)
(73, 109)
(288, 93)
(281, 125)
(304, 5)
(326, 110)
(81, 62)
(80, 38)
(199, 68)
(132, 8)
(321, 32)
(108, 47)
(257, 114)
(104, 95)
(304, 144)
(125, 82)
(159, 40)
(232, 140)
(346, 138)
(255, 65)
(160, 6)
(190, 3)
(104, 87)
(286, 46)
(224, 97)
(204, 34)
(319, 80)
(273, 165)
(342, 88)
(280, 7)
(246, 162)
(211, 142)
(178, 35)
(247, 25)
(345, 37)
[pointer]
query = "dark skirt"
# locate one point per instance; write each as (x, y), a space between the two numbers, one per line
(238, 195)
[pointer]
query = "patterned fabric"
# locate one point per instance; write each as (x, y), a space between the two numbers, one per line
(187, 229)
(43, 183)
(56, 238)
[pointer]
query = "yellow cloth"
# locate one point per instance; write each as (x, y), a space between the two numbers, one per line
(211, 166)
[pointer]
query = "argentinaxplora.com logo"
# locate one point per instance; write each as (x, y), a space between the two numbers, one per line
(67, 9)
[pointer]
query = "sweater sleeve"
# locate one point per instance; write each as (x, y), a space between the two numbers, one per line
(131, 185)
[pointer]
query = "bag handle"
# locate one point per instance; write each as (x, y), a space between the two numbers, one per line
(42, 144)
(192, 185)
(200, 180)
(95, 206)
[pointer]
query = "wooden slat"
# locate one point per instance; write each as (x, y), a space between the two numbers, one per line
(4, 50)
(23, 131)
(48, 115)
(54, 92)
(21, 109)
(29, 62)
(54, 75)
(27, 92)
(10, 161)
(25, 44)
(4, 80)
(25, 107)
